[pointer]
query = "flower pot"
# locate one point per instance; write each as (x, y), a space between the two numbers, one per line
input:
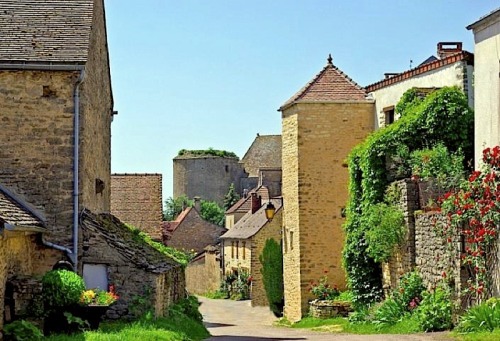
(91, 313)
(57, 322)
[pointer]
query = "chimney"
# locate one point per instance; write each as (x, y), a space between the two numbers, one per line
(197, 204)
(256, 202)
(445, 49)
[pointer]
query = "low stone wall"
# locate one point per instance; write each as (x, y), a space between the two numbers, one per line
(328, 309)
(204, 274)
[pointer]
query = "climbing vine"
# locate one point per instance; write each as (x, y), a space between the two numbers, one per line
(442, 116)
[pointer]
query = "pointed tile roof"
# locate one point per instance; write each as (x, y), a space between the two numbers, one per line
(245, 204)
(45, 31)
(330, 85)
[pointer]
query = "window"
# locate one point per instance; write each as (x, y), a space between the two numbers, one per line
(244, 244)
(95, 276)
(232, 249)
(291, 240)
(389, 114)
(285, 240)
(237, 250)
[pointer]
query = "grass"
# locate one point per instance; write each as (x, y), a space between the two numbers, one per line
(176, 327)
(478, 336)
(216, 295)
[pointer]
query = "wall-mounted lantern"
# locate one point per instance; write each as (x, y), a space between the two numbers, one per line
(270, 210)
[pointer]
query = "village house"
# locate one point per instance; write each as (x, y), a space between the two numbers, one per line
(242, 206)
(244, 243)
(136, 199)
(190, 232)
(56, 112)
(451, 67)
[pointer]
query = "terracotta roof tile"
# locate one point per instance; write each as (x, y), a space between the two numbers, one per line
(45, 31)
(330, 85)
(245, 204)
(422, 68)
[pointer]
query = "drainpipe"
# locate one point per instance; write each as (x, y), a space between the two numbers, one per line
(76, 156)
(72, 254)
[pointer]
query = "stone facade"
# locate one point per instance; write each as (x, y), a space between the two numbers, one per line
(237, 255)
(315, 192)
(203, 273)
(207, 177)
(136, 199)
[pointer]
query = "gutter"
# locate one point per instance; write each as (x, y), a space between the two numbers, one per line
(72, 254)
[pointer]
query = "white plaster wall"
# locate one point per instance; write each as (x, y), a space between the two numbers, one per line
(449, 75)
(487, 87)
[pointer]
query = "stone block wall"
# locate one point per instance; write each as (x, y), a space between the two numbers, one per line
(317, 138)
(271, 230)
(208, 177)
(403, 259)
(204, 274)
(136, 200)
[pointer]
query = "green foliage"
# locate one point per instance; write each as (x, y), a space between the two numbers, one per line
(410, 290)
(443, 116)
(216, 295)
(385, 230)
(177, 255)
(437, 163)
(61, 288)
(272, 275)
(22, 330)
(230, 198)
(482, 317)
(409, 99)
(174, 207)
(72, 319)
(389, 312)
(240, 287)
(322, 290)
(212, 212)
(207, 152)
(141, 304)
(434, 313)
(188, 307)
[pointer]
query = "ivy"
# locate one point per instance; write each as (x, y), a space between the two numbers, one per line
(443, 116)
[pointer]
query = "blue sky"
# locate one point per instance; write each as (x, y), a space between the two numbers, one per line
(210, 73)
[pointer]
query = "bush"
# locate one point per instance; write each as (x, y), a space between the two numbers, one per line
(437, 163)
(410, 290)
(21, 330)
(434, 313)
(323, 291)
(61, 288)
(483, 317)
(272, 275)
(389, 312)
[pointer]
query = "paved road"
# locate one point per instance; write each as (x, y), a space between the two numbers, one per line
(238, 321)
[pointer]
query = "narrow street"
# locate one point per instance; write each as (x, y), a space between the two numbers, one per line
(237, 320)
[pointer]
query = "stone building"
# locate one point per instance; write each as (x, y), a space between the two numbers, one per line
(452, 67)
(244, 243)
(242, 206)
(190, 232)
(206, 176)
(486, 86)
(204, 273)
(136, 200)
(320, 125)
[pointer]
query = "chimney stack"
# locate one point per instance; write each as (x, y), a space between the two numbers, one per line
(445, 49)
(256, 202)
(197, 203)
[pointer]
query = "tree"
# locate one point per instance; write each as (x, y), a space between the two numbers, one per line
(174, 207)
(212, 212)
(272, 275)
(230, 198)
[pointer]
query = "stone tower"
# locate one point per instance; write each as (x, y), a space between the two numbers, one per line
(320, 125)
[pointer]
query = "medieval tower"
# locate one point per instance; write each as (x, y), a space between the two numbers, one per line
(320, 125)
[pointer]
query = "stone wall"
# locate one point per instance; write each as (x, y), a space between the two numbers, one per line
(204, 274)
(403, 258)
(208, 177)
(136, 199)
(433, 255)
(270, 230)
(317, 138)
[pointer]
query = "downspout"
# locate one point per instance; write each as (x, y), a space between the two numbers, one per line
(76, 177)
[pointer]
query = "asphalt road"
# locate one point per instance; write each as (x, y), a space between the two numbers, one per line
(238, 321)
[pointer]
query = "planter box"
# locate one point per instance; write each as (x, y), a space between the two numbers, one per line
(327, 309)
(56, 322)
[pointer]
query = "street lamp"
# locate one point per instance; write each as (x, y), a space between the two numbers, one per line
(270, 210)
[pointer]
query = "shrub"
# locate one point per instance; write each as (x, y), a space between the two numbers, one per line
(322, 290)
(272, 275)
(61, 288)
(22, 330)
(434, 313)
(410, 290)
(189, 307)
(240, 287)
(437, 163)
(386, 230)
(483, 317)
(389, 312)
